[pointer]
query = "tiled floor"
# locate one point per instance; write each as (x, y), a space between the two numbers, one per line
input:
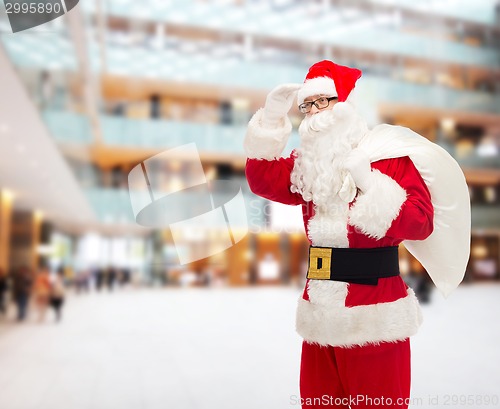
(224, 348)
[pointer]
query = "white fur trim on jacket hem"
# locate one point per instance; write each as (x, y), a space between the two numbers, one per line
(316, 86)
(337, 325)
(374, 210)
(262, 142)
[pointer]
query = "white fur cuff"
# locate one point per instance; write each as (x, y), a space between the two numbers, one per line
(374, 210)
(262, 142)
(360, 325)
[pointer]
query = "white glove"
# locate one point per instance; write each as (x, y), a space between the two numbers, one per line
(278, 103)
(357, 164)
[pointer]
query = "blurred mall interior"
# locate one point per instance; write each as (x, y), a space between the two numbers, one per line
(88, 97)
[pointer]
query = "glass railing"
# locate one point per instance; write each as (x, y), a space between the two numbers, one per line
(68, 127)
(113, 206)
(475, 160)
(51, 50)
(71, 128)
(161, 134)
(184, 58)
(372, 90)
(55, 57)
(214, 13)
(485, 217)
(386, 90)
(165, 62)
(482, 12)
(164, 133)
(339, 27)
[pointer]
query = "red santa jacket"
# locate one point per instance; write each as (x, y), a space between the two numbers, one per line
(396, 207)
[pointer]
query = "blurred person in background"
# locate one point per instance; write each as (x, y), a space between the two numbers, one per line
(21, 288)
(57, 292)
(3, 291)
(99, 278)
(362, 193)
(111, 278)
(82, 281)
(125, 276)
(46, 91)
(68, 274)
(41, 292)
(418, 279)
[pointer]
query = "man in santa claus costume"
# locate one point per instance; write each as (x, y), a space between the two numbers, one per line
(362, 193)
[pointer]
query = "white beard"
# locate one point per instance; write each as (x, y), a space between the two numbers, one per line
(326, 139)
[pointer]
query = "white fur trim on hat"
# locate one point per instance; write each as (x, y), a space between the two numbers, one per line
(316, 86)
(263, 142)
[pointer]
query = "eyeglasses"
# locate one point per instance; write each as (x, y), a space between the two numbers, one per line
(320, 103)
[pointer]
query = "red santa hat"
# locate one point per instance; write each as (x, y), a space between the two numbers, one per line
(330, 79)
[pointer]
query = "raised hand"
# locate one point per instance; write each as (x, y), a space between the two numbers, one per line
(278, 103)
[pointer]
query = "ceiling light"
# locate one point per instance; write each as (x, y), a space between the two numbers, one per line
(7, 195)
(479, 250)
(490, 194)
(448, 124)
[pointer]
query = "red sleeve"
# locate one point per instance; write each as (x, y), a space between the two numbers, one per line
(271, 179)
(415, 220)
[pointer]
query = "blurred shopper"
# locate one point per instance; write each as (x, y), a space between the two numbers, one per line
(99, 278)
(46, 90)
(68, 275)
(125, 276)
(155, 103)
(362, 193)
(3, 291)
(111, 278)
(57, 292)
(22, 286)
(82, 279)
(418, 279)
(41, 292)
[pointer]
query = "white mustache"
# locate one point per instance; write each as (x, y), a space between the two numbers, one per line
(319, 122)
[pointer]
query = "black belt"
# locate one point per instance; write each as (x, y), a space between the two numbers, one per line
(358, 266)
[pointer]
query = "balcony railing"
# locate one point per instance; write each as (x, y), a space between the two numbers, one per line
(113, 206)
(333, 26)
(118, 130)
(485, 217)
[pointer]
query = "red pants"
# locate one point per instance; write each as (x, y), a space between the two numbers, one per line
(371, 376)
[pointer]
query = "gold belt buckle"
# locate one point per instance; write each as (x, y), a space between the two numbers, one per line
(320, 260)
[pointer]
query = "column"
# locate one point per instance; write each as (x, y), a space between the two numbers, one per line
(6, 199)
(25, 239)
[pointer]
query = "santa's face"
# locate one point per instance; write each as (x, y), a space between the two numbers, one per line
(331, 127)
(327, 137)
